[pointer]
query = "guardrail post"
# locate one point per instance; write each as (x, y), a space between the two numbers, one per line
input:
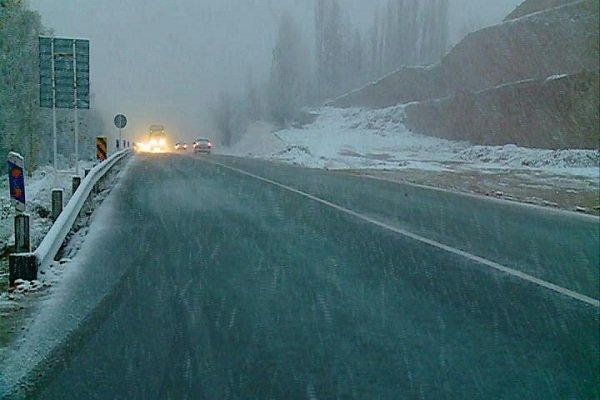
(22, 266)
(57, 203)
(76, 183)
(22, 238)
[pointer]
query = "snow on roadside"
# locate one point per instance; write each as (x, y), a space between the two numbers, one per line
(258, 141)
(38, 190)
(25, 293)
(584, 163)
(377, 139)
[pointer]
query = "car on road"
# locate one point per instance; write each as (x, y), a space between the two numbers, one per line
(202, 145)
(181, 146)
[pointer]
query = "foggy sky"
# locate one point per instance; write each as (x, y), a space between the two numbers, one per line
(166, 61)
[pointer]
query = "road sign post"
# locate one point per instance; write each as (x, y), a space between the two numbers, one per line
(53, 83)
(76, 108)
(120, 122)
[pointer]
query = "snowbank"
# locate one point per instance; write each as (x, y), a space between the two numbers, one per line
(38, 191)
(256, 142)
(357, 138)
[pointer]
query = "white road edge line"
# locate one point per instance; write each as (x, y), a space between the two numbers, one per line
(433, 243)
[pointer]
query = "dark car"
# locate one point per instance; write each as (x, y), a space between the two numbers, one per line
(181, 146)
(202, 145)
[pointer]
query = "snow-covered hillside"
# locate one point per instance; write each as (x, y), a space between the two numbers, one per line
(377, 139)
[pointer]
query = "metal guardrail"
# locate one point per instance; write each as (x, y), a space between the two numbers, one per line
(26, 265)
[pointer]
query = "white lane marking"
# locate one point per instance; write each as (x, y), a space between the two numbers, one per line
(510, 271)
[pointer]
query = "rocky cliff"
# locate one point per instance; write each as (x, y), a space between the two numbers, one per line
(486, 71)
(554, 113)
(562, 40)
(532, 6)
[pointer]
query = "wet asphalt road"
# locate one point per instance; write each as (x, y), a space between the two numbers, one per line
(231, 288)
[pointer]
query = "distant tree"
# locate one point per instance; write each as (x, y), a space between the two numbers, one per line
(20, 116)
(252, 102)
(375, 50)
(289, 82)
(353, 64)
(328, 45)
(222, 113)
(408, 32)
(435, 32)
(335, 46)
(343, 60)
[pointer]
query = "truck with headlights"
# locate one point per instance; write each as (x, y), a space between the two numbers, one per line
(158, 138)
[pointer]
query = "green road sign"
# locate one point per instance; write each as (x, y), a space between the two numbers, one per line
(64, 72)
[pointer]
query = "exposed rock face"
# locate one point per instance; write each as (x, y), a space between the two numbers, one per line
(532, 6)
(555, 113)
(563, 40)
(479, 85)
(406, 85)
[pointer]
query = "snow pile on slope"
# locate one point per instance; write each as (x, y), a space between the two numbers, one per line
(257, 141)
(513, 156)
(357, 138)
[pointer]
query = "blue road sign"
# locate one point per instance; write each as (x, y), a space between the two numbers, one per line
(16, 179)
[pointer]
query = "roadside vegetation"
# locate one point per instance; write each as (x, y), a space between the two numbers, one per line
(24, 126)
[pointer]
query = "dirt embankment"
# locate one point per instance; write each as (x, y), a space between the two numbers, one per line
(480, 82)
(554, 113)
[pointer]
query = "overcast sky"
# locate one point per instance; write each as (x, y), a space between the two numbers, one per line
(164, 61)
